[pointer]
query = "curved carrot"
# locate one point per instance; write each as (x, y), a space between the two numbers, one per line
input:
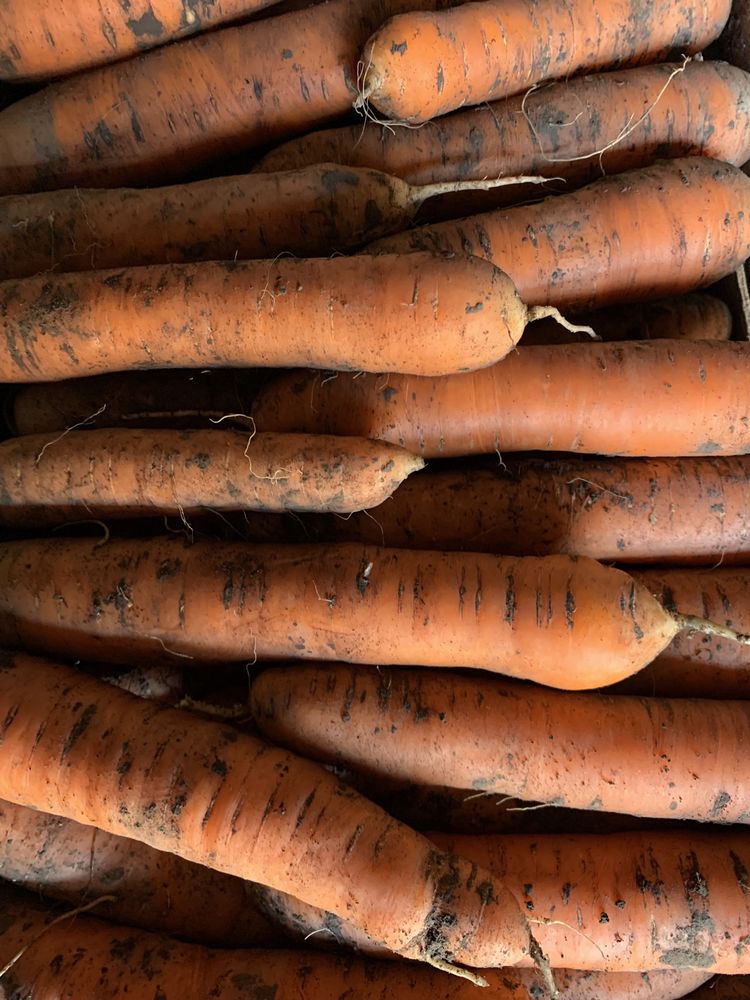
(645, 756)
(694, 511)
(656, 399)
(564, 621)
(224, 799)
(127, 473)
(632, 236)
(423, 64)
(416, 313)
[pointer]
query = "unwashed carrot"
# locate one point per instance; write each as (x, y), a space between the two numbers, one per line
(670, 228)
(423, 64)
(417, 313)
(76, 747)
(641, 399)
(127, 473)
(694, 511)
(644, 756)
(564, 621)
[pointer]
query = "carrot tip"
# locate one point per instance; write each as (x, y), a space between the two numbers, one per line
(457, 970)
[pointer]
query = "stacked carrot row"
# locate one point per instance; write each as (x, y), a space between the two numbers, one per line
(498, 706)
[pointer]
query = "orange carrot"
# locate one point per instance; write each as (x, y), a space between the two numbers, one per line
(81, 749)
(127, 473)
(423, 64)
(564, 621)
(416, 313)
(644, 756)
(641, 399)
(694, 511)
(632, 236)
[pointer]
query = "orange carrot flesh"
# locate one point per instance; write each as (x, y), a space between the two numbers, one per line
(124, 473)
(632, 236)
(693, 511)
(563, 621)
(423, 64)
(641, 399)
(79, 748)
(415, 313)
(644, 756)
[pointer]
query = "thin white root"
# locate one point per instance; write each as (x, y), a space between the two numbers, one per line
(540, 312)
(81, 423)
(456, 970)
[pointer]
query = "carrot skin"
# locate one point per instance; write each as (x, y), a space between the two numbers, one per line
(642, 399)
(620, 238)
(642, 756)
(562, 621)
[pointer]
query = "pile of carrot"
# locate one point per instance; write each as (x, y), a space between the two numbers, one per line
(374, 499)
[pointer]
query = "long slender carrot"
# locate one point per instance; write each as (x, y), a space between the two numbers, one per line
(573, 130)
(694, 511)
(641, 399)
(645, 756)
(415, 313)
(420, 65)
(83, 956)
(565, 621)
(169, 112)
(126, 473)
(672, 227)
(79, 748)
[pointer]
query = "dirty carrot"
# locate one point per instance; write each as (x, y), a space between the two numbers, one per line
(631, 236)
(583, 750)
(77, 747)
(310, 212)
(124, 473)
(694, 511)
(565, 621)
(641, 399)
(420, 65)
(417, 313)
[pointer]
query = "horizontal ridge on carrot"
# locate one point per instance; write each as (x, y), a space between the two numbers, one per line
(423, 64)
(585, 750)
(564, 621)
(651, 399)
(669, 228)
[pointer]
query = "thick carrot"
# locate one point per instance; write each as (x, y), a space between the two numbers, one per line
(415, 313)
(126, 473)
(79, 748)
(310, 213)
(641, 399)
(423, 64)
(694, 511)
(557, 131)
(169, 112)
(65, 860)
(565, 621)
(84, 956)
(45, 40)
(644, 756)
(661, 230)
(608, 902)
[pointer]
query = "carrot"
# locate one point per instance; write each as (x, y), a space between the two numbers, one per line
(310, 213)
(42, 40)
(124, 473)
(169, 112)
(644, 756)
(691, 510)
(564, 621)
(226, 800)
(571, 130)
(64, 860)
(423, 64)
(84, 956)
(419, 313)
(632, 236)
(640, 399)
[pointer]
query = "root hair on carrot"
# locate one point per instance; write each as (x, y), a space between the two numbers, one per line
(81, 423)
